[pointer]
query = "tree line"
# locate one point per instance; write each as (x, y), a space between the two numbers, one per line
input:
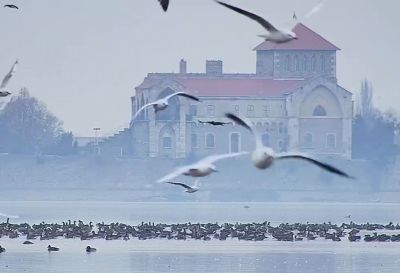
(28, 127)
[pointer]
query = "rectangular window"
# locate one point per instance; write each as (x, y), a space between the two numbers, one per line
(211, 110)
(266, 110)
(331, 141)
(194, 142)
(237, 110)
(210, 140)
(193, 110)
(167, 142)
(308, 141)
(250, 110)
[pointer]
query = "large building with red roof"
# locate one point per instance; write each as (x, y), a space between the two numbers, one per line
(293, 100)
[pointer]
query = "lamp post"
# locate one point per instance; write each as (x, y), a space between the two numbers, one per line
(96, 138)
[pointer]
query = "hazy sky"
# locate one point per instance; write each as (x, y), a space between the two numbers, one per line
(83, 58)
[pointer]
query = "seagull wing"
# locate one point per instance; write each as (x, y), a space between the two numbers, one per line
(315, 9)
(174, 174)
(320, 164)
(182, 94)
(141, 109)
(253, 16)
(164, 4)
(179, 184)
(9, 75)
(213, 158)
(244, 124)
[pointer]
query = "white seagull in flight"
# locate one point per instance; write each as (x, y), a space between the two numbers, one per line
(162, 104)
(4, 83)
(263, 156)
(188, 189)
(275, 35)
(201, 168)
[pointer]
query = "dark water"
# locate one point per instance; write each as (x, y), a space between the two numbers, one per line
(198, 256)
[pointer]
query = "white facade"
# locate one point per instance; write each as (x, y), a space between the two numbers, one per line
(301, 108)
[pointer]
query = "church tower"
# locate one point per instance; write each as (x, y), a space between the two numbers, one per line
(309, 56)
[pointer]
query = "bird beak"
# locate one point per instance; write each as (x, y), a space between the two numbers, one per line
(295, 38)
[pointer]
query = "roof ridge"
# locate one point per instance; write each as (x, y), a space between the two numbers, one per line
(319, 35)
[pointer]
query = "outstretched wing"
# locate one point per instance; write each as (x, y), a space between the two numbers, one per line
(239, 121)
(9, 75)
(182, 94)
(174, 174)
(179, 184)
(140, 110)
(320, 164)
(250, 15)
(164, 4)
(213, 158)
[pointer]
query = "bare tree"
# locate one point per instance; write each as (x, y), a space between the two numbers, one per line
(27, 126)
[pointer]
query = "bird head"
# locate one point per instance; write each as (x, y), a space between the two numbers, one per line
(292, 35)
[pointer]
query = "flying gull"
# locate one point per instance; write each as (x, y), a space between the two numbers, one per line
(10, 6)
(164, 4)
(263, 156)
(162, 104)
(4, 83)
(275, 35)
(215, 123)
(189, 189)
(201, 168)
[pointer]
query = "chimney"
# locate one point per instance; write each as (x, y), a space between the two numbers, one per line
(214, 68)
(182, 67)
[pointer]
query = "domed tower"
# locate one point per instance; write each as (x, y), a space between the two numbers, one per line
(309, 56)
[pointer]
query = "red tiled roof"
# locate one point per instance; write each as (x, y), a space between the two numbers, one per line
(215, 87)
(307, 40)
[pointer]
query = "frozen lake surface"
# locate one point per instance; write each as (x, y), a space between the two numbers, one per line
(199, 256)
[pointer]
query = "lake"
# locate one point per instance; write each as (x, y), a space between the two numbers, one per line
(199, 256)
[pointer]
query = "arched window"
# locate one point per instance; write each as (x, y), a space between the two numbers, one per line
(167, 142)
(296, 63)
(194, 141)
(308, 141)
(210, 140)
(319, 111)
(305, 63)
(313, 63)
(322, 63)
(234, 142)
(280, 128)
(287, 63)
(331, 141)
(265, 139)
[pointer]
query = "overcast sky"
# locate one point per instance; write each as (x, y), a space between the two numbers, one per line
(83, 58)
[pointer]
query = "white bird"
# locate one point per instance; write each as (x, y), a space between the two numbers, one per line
(263, 156)
(162, 103)
(275, 35)
(164, 4)
(4, 83)
(201, 168)
(189, 189)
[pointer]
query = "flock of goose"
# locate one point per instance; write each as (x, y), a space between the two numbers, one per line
(201, 231)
